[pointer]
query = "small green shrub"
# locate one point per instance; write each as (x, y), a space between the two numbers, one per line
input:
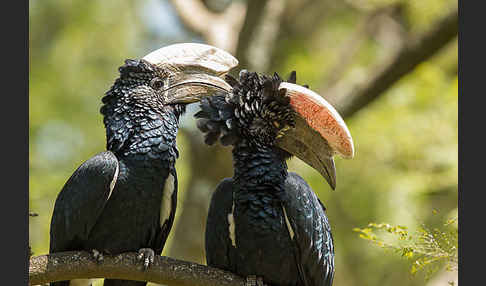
(427, 249)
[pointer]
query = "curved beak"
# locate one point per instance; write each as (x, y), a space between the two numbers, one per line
(191, 71)
(319, 132)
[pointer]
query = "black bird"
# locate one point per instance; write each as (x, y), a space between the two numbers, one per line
(124, 199)
(266, 223)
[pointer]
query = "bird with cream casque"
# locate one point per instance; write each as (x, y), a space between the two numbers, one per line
(124, 199)
(265, 223)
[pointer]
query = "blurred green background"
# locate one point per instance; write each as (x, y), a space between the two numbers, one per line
(406, 140)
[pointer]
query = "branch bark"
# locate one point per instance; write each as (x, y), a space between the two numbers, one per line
(371, 23)
(218, 29)
(233, 30)
(81, 265)
(254, 14)
(414, 52)
(256, 54)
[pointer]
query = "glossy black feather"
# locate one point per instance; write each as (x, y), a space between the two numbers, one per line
(312, 231)
(81, 202)
(281, 231)
(141, 142)
(313, 257)
(218, 242)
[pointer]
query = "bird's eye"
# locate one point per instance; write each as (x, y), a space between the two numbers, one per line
(156, 83)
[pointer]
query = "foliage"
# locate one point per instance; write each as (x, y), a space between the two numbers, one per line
(427, 249)
(406, 141)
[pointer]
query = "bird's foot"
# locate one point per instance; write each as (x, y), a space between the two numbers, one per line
(97, 255)
(147, 255)
(253, 280)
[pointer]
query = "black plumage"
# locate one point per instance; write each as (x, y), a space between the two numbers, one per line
(265, 221)
(124, 199)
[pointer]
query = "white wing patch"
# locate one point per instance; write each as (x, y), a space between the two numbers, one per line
(287, 222)
(166, 206)
(81, 282)
(113, 181)
(231, 227)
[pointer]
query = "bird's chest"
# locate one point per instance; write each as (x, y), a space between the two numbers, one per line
(260, 229)
(140, 201)
(138, 185)
(261, 238)
(256, 215)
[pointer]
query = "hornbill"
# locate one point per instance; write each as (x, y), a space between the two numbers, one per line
(266, 223)
(124, 199)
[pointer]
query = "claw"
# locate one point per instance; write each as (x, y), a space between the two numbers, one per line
(147, 255)
(98, 256)
(251, 280)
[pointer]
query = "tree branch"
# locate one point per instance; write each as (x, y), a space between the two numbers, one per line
(258, 52)
(80, 264)
(254, 14)
(373, 24)
(218, 29)
(415, 51)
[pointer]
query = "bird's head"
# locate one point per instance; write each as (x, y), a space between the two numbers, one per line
(154, 91)
(174, 75)
(267, 111)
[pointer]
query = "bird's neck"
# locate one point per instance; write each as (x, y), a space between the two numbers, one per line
(142, 135)
(259, 169)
